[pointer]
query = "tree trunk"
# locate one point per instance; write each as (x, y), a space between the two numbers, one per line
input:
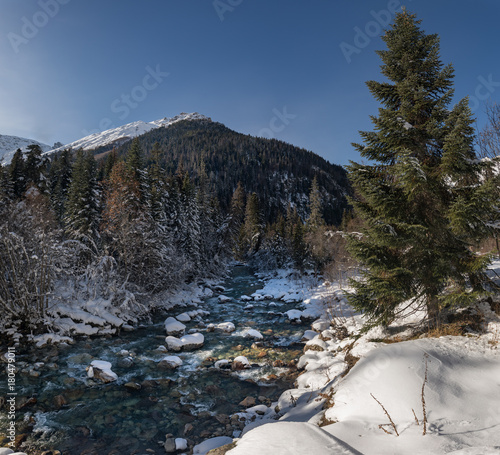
(432, 309)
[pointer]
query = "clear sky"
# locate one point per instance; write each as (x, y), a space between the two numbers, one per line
(293, 69)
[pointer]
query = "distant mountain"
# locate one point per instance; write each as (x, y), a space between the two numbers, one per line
(280, 173)
(9, 145)
(118, 136)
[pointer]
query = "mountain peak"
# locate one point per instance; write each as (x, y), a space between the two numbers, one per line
(120, 135)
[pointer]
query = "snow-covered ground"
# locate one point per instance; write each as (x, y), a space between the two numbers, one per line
(331, 412)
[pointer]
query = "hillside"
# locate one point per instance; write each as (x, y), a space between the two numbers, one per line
(9, 145)
(278, 172)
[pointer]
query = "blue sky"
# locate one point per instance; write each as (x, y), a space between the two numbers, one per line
(261, 67)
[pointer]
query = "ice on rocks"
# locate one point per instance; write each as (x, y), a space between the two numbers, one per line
(224, 299)
(308, 335)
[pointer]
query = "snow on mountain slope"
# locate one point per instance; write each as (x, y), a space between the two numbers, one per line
(9, 145)
(121, 134)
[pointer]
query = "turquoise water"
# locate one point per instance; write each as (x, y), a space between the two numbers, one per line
(76, 415)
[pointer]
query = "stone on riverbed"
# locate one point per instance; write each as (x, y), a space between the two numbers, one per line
(170, 362)
(183, 317)
(194, 341)
(223, 327)
(101, 370)
(174, 327)
(224, 299)
(173, 344)
(255, 334)
(240, 363)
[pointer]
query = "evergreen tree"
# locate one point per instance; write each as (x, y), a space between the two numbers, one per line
(82, 206)
(35, 167)
(419, 199)
(17, 174)
(134, 159)
(59, 182)
(315, 219)
(253, 224)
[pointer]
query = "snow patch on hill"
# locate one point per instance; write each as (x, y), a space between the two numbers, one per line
(9, 145)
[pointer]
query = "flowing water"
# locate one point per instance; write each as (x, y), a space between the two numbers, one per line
(72, 413)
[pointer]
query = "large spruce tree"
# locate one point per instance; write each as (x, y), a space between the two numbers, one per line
(420, 195)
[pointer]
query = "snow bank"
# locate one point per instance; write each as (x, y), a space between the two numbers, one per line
(290, 438)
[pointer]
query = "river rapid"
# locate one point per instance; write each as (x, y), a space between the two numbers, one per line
(59, 407)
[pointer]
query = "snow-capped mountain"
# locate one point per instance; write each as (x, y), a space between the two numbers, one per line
(117, 136)
(9, 145)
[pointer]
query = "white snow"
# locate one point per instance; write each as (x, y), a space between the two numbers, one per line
(290, 438)
(224, 299)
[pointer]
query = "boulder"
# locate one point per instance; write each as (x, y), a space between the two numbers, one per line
(174, 327)
(194, 341)
(248, 402)
(225, 327)
(173, 344)
(255, 334)
(183, 317)
(170, 362)
(101, 370)
(240, 363)
(224, 299)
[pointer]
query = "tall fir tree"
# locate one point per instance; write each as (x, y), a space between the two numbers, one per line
(59, 181)
(35, 167)
(420, 200)
(82, 215)
(315, 219)
(17, 174)
(252, 226)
